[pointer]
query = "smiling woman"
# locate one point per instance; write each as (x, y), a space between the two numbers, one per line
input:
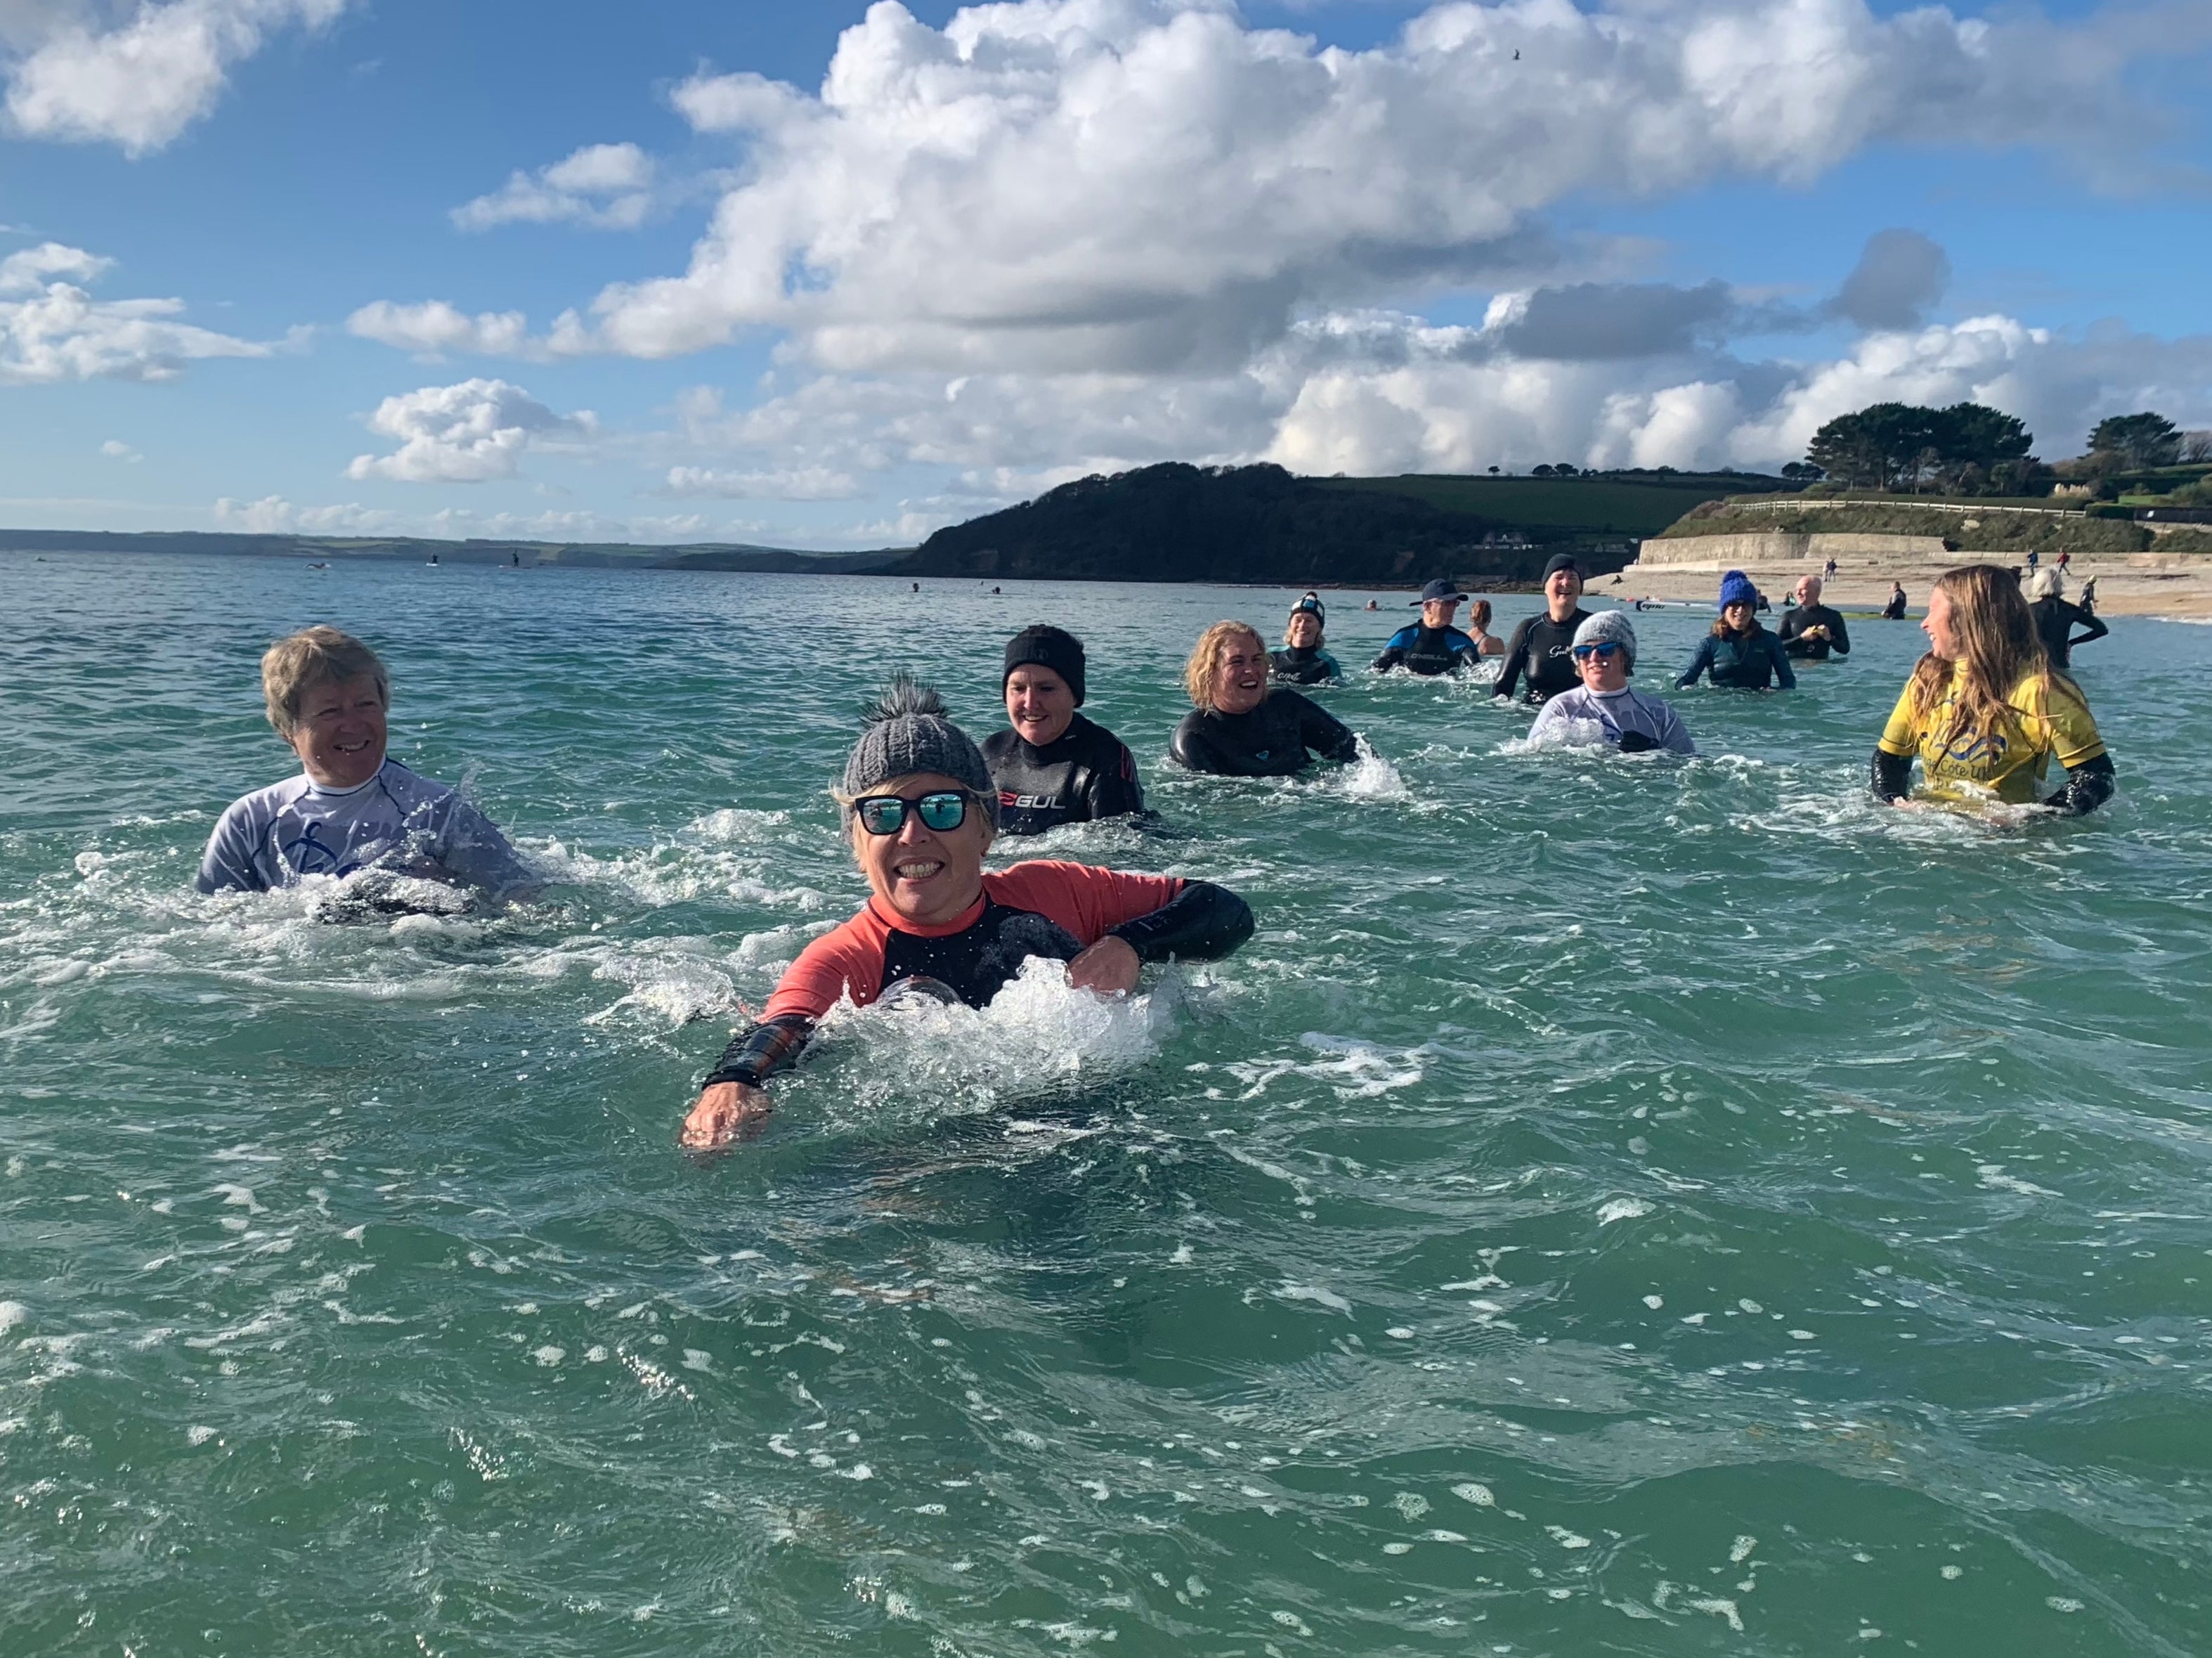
(1240, 728)
(327, 694)
(920, 810)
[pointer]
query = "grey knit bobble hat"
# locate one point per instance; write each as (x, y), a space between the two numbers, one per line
(1609, 625)
(908, 731)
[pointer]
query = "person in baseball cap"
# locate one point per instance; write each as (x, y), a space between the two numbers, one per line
(1433, 645)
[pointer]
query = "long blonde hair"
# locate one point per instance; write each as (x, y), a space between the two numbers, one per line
(1998, 648)
(1206, 657)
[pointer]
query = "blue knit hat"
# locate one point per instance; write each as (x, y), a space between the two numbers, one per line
(1736, 588)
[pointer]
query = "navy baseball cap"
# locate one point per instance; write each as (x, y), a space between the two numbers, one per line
(1443, 588)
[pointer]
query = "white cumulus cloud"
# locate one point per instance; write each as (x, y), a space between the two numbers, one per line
(116, 449)
(1103, 185)
(465, 433)
(433, 329)
(142, 82)
(601, 186)
(272, 514)
(52, 329)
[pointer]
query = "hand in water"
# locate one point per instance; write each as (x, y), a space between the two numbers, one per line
(1110, 967)
(725, 1113)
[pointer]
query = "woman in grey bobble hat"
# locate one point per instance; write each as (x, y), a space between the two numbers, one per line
(921, 811)
(1602, 705)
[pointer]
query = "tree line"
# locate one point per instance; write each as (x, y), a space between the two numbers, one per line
(1970, 448)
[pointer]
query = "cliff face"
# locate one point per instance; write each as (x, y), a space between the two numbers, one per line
(1176, 522)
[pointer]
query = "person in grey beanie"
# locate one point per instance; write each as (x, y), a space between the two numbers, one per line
(920, 811)
(1603, 708)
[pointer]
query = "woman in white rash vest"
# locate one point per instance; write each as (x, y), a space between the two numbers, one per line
(1604, 653)
(350, 808)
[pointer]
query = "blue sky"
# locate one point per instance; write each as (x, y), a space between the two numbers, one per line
(1015, 245)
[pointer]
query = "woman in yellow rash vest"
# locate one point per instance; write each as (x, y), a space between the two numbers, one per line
(1984, 709)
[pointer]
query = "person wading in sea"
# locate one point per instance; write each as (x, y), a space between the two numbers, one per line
(1538, 652)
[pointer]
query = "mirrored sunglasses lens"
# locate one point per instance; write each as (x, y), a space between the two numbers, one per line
(943, 811)
(882, 817)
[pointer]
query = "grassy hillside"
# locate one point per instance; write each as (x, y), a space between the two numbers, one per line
(1636, 504)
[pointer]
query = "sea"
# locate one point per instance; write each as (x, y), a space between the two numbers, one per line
(1614, 1204)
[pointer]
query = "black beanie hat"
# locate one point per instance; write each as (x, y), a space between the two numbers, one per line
(1047, 646)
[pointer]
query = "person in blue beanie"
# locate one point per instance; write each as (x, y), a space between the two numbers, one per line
(1739, 653)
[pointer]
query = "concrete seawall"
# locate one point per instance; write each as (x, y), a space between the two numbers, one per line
(1768, 548)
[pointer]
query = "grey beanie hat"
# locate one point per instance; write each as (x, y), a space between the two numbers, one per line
(1609, 625)
(909, 731)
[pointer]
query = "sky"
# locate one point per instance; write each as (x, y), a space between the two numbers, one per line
(832, 274)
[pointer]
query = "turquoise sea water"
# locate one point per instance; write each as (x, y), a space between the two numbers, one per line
(1612, 1206)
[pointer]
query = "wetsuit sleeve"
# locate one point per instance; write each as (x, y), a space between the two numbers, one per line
(1202, 923)
(1114, 790)
(2088, 786)
(758, 1051)
(1698, 664)
(2097, 629)
(847, 960)
(475, 852)
(1336, 668)
(1088, 902)
(1516, 651)
(1793, 625)
(1323, 733)
(1783, 672)
(1393, 652)
(1839, 636)
(227, 866)
(1891, 778)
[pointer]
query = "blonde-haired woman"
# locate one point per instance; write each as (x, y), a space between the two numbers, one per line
(1237, 726)
(1984, 711)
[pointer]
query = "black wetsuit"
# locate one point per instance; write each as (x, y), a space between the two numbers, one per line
(1270, 742)
(1420, 648)
(1538, 651)
(1894, 610)
(1796, 620)
(1086, 773)
(2054, 622)
(1304, 665)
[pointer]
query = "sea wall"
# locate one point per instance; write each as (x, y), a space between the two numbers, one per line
(1771, 547)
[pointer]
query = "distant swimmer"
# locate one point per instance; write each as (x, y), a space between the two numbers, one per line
(1302, 660)
(1431, 645)
(328, 695)
(1894, 610)
(1372, 605)
(919, 813)
(1238, 727)
(1604, 654)
(1984, 711)
(1538, 651)
(1739, 653)
(1486, 643)
(2056, 619)
(1054, 766)
(1811, 630)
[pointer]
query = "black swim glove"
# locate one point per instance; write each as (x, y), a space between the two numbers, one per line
(1635, 742)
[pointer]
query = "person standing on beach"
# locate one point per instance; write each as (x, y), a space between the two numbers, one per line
(1540, 651)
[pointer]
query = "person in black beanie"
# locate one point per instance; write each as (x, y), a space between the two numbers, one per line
(1540, 653)
(1054, 766)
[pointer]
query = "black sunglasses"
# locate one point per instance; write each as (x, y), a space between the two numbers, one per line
(885, 814)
